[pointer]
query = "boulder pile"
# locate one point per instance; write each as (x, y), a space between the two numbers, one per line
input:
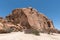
(26, 19)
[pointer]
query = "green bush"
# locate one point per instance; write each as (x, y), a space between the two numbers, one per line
(35, 32)
(7, 29)
(32, 31)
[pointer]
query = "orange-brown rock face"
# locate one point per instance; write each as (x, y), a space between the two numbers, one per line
(6, 27)
(30, 18)
(23, 19)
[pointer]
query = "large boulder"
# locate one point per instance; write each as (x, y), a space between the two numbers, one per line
(26, 19)
(30, 18)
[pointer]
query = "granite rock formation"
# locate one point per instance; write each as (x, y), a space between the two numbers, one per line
(26, 18)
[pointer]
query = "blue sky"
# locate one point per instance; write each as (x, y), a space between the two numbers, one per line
(51, 8)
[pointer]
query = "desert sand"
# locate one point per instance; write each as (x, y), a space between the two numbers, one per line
(22, 36)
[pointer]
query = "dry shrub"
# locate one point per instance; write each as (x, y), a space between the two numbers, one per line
(32, 31)
(59, 32)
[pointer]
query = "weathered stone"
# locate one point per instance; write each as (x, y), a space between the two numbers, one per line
(26, 18)
(30, 18)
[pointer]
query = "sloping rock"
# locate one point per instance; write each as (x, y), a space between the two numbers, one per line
(23, 19)
(29, 18)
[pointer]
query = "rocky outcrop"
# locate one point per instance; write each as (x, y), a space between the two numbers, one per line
(30, 18)
(27, 18)
(6, 27)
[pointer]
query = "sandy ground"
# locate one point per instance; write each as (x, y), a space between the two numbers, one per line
(22, 36)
